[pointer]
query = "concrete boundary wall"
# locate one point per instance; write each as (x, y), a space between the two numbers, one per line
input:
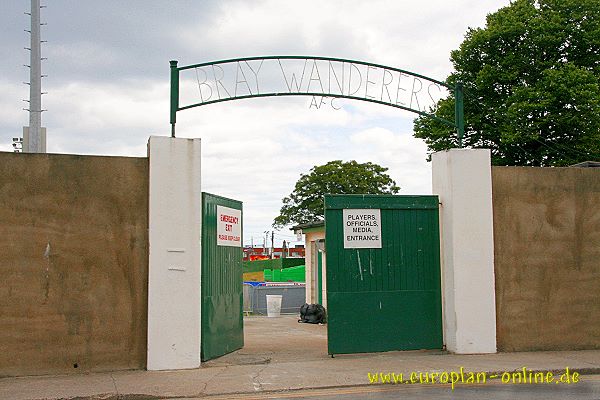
(73, 263)
(462, 180)
(547, 261)
(174, 253)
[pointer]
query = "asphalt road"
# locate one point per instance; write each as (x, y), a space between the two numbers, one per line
(588, 388)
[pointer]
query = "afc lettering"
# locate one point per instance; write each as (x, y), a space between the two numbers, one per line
(323, 100)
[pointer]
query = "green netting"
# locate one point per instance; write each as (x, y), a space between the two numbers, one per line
(278, 263)
(293, 274)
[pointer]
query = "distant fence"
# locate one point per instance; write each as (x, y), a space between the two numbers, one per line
(255, 298)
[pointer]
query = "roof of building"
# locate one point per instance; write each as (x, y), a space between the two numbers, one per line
(308, 225)
(587, 164)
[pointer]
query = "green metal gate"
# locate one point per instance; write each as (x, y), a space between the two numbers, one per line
(383, 273)
(222, 329)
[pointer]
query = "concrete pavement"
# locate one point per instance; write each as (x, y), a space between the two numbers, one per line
(262, 366)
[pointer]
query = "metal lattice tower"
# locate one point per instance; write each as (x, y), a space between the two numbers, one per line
(34, 136)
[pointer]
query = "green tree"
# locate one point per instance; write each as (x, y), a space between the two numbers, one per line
(305, 203)
(532, 85)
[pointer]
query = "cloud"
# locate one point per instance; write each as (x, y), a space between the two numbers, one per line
(401, 153)
(108, 84)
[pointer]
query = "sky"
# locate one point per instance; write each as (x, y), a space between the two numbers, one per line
(107, 85)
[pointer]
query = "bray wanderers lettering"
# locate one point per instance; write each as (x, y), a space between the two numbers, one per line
(240, 79)
(324, 79)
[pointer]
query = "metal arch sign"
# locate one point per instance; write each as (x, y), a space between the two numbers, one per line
(273, 76)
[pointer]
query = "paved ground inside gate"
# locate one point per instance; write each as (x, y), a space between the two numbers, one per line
(276, 340)
(282, 357)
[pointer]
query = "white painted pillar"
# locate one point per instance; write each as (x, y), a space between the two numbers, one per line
(174, 253)
(462, 179)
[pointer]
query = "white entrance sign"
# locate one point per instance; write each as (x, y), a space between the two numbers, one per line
(362, 228)
(229, 227)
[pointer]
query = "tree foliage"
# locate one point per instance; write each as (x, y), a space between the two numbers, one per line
(305, 203)
(532, 85)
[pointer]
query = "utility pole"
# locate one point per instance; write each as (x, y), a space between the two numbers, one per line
(265, 250)
(34, 136)
(272, 243)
